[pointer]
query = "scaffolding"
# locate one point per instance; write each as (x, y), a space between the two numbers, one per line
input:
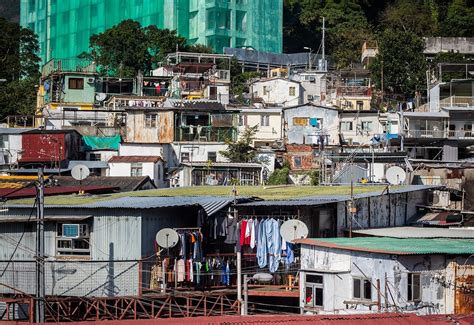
(64, 27)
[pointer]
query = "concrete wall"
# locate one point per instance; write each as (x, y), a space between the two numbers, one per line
(86, 95)
(153, 170)
(265, 133)
(11, 148)
(307, 134)
(198, 152)
(391, 271)
(435, 45)
(278, 92)
(357, 134)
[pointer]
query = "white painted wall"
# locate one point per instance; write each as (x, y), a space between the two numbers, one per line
(11, 147)
(154, 170)
(278, 92)
(253, 116)
(339, 267)
(357, 134)
(198, 152)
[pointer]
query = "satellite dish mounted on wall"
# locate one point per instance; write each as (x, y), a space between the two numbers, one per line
(293, 229)
(80, 173)
(167, 238)
(395, 175)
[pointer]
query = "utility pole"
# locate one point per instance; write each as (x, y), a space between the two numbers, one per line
(245, 309)
(323, 47)
(239, 258)
(40, 278)
(352, 206)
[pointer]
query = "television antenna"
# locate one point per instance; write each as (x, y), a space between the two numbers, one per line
(80, 173)
(395, 175)
(293, 229)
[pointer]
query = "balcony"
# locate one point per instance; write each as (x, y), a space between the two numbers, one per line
(190, 133)
(434, 134)
(354, 91)
(68, 65)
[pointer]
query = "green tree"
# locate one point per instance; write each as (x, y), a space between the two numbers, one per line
(346, 24)
(403, 63)
(279, 176)
(18, 48)
(19, 66)
(459, 19)
(241, 151)
(416, 16)
(128, 48)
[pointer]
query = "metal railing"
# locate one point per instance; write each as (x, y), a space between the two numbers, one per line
(464, 101)
(68, 65)
(438, 134)
(205, 134)
(353, 91)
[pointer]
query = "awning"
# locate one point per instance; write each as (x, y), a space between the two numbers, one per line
(101, 143)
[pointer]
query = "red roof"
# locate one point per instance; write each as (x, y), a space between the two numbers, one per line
(363, 319)
(133, 159)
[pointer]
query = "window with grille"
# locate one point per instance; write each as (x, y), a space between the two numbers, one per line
(150, 120)
(346, 126)
(136, 169)
(76, 83)
(314, 290)
(362, 289)
(414, 287)
(292, 91)
(265, 120)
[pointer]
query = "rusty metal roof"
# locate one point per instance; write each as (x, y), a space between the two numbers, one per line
(132, 159)
(363, 319)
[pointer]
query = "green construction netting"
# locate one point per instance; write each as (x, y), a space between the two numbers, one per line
(64, 27)
(101, 143)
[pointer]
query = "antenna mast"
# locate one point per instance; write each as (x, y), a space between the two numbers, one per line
(323, 47)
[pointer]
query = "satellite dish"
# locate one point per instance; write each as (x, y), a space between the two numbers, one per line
(167, 238)
(100, 96)
(395, 175)
(80, 172)
(293, 229)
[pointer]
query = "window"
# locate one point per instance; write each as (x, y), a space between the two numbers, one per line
(94, 156)
(366, 126)
(362, 289)
(184, 156)
(151, 120)
(212, 156)
(136, 169)
(314, 290)
(292, 91)
(76, 83)
(414, 287)
(265, 120)
(297, 161)
(359, 105)
(158, 171)
(72, 239)
(346, 126)
(265, 90)
(300, 121)
(242, 120)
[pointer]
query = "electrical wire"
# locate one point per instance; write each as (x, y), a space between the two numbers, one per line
(19, 240)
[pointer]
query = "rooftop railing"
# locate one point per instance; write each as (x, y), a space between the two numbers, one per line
(68, 65)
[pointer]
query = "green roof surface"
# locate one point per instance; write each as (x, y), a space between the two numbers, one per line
(397, 246)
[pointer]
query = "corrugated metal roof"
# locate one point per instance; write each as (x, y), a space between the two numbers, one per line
(326, 199)
(89, 163)
(418, 232)
(366, 319)
(210, 204)
(395, 246)
(444, 218)
(14, 130)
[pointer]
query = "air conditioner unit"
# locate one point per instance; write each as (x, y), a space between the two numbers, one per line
(440, 199)
(90, 80)
(75, 230)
